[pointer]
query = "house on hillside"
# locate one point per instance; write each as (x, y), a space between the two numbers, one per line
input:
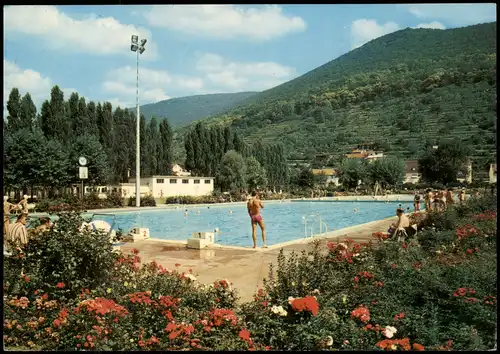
(177, 170)
(331, 174)
(493, 173)
(465, 172)
(362, 154)
(172, 186)
(412, 173)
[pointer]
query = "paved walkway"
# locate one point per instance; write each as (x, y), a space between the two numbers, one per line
(245, 268)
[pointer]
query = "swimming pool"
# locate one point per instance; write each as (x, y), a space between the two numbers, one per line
(284, 221)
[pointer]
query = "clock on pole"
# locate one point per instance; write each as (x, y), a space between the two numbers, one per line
(82, 160)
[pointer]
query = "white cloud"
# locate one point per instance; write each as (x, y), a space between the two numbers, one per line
(122, 82)
(431, 25)
(455, 14)
(364, 30)
(93, 34)
(228, 76)
(226, 21)
(26, 81)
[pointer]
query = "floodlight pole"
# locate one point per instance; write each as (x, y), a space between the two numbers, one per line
(138, 143)
(139, 49)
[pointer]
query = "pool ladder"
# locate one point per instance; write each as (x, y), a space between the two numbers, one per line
(309, 223)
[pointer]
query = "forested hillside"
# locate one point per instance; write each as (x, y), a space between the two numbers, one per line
(400, 91)
(184, 110)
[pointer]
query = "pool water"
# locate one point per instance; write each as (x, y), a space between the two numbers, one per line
(284, 221)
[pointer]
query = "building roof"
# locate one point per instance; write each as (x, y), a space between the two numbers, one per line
(411, 166)
(356, 156)
(324, 171)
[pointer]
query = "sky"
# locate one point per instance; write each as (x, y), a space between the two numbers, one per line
(196, 49)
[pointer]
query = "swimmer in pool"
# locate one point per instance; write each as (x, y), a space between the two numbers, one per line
(355, 210)
(254, 205)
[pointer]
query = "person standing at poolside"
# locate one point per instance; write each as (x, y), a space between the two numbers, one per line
(449, 197)
(429, 199)
(254, 205)
(23, 205)
(416, 201)
(461, 196)
(7, 207)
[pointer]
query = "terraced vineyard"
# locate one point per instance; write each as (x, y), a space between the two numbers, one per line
(401, 91)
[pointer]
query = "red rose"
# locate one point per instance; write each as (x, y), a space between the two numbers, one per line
(244, 334)
(60, 285)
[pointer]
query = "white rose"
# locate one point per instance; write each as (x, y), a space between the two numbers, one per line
(389, 331)
(290, 299)
(329, 341)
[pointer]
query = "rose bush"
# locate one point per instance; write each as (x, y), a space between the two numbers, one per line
(68, 290)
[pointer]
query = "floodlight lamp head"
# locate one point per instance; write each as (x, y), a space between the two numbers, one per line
(141, 50)
(135, 38)
(143, 42)
(133, 48)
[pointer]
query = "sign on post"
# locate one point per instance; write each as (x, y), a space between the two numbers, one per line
(83, 172)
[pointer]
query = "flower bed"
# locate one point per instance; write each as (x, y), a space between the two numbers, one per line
(68, 290)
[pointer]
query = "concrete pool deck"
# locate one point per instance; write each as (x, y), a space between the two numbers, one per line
(244, 267)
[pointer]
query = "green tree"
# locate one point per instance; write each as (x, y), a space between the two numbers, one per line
(233, 171)
(351, 171)
(59, 116)
(28, 112)
(166, 138)
(23, 158)
(14, 110)
(54, 171)
(255, 174)
(443, 164)
(387, 171)
(153, 146)
(306, 178)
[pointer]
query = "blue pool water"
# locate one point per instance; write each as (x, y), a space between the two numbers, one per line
(284, 221)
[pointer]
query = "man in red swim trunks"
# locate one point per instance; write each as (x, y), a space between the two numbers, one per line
(254, 206)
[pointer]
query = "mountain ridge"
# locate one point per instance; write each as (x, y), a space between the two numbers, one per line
(187, 109)
(402, 89)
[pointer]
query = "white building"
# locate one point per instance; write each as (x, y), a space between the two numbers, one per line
(412, 173)
(171, 186)
(465, 173)
(493, 173)
(330, 174)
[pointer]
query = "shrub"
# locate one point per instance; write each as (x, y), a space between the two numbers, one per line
(63, 254)
(187, 199)
(115, 200)
(146, 201)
